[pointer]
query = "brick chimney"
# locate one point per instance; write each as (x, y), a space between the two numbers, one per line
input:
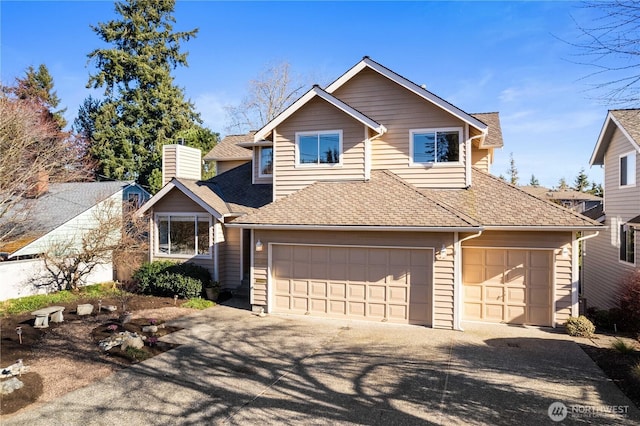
(40, 186)
(180, 161)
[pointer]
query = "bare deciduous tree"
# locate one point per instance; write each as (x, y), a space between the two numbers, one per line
(609, 45)
(268, 95)
(33, 150)
(114, 228)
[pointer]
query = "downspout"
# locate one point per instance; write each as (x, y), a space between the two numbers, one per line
(575, 277)
(457, 279)
(368, 150)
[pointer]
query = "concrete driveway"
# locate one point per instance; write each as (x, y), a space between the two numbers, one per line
(237, 368)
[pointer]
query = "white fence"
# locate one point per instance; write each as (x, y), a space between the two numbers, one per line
(17, 277)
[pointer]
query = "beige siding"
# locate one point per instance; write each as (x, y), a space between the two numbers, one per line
(401, 111)
(168, 163)
(225, 166)
(480, 158)
(556, 241)
(176, 201)
(603, 270)
(181, 161)
(443, 270)
(317, 115)
(230, 275)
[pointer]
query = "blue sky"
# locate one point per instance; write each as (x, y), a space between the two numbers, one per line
(481, 56)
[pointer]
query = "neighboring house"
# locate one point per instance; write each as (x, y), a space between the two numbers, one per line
(612, 254)
(569, 198)
(57, 217)
(371, 199)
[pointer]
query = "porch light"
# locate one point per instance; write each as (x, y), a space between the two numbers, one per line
(258, 245)
(442, 254)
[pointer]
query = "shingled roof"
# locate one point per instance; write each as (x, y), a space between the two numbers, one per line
(494, 131)
(231, 192)
(383, 201)
(495, 203)
(228, 150)
(628, 121)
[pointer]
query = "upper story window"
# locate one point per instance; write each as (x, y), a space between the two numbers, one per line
(319, 148)
(628, 169)
(266, 161)
(429, 146)
(627, 243)
(183, 235)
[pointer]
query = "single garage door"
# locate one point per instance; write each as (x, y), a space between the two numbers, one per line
(369, 283)
(507, 285)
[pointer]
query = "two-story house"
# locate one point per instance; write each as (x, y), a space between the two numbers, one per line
(612, 254)
(371, 199)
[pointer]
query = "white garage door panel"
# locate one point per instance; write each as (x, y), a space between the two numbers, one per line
(507, 285)
(360, 282)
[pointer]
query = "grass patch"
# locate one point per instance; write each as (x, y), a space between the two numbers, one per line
(38, 301)
(136, 354)
(198, 303)
(622, 347)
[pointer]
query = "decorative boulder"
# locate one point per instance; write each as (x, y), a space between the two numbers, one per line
(150, 329)
(134, 342)
(85, 309)
(110, 308)
(8, 386)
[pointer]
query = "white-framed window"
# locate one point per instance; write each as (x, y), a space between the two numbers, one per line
(628, 169)
(627, 243)
(265, 161)
(435, 146)
(182, 235)
(322, 148)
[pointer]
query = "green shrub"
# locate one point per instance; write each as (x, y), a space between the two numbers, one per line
(580, 326)
(168, 284)
(166, 278)
(136, 354)
(198, 303)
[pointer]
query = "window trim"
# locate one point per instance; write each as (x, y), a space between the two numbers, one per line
(460, 131)
(630, 176)
(319, 132)
(198, 216)
(623, 243)
(260, 174)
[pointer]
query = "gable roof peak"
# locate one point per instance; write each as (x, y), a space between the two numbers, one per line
(627, 121)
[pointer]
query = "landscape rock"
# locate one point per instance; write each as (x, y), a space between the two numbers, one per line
(10, 385)
(118, 339)
(150, 329)
(133, 342)
(110, 308)
(15, 369)
(85, 309)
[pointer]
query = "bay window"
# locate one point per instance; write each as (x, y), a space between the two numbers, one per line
(183, 235)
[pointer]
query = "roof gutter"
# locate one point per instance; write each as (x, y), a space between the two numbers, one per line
(543, 228)
(457, 280)
(353, 228)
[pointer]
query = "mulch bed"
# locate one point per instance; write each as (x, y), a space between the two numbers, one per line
(617, 366)
(12, 350)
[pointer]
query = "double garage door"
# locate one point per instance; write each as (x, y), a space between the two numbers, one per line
(368, 283)
(508, 285)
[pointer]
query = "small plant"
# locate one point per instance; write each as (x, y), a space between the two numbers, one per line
(198, 303)
(152, 321)
(622, 347)
(629, 301)
(152, 340)
(136, 354)
(580, 327)
(112, 327)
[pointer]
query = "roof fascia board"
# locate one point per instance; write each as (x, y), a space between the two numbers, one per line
(353, 228)
(178, 185)
(249, 157)
(409, 85)
(599, 150)
(316, 91)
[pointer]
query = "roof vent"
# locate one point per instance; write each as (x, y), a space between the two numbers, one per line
(424, 86)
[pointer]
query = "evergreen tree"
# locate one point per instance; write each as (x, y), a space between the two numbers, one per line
(37, 87)
(534, 181)
(562, 184)
(581, 183)
(596, 189)
(142, 109)
(512, 171)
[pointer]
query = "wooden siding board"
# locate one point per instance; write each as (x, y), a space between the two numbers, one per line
(177, 202)
(225, 166)
(603, 271)
(232, 256)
